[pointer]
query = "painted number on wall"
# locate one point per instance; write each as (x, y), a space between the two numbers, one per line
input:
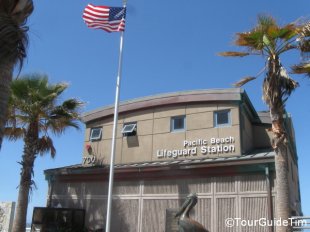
(89, 160)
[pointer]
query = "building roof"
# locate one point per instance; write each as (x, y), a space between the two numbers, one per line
(264, 117)
(251, 158)
(196, 96)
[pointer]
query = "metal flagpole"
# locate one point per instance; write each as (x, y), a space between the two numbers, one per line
(113, 146)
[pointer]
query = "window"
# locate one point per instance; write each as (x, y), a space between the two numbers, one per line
(222, 118)
(178, 123)
(129, 129)
(95, 134)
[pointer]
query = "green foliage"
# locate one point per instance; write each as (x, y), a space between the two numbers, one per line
(33, 105)
(271, 40)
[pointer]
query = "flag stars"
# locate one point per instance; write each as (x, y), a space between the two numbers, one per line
(117, 13)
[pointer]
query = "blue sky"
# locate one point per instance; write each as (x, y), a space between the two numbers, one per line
(168, 46)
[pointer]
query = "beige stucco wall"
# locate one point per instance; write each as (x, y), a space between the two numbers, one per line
(246, 132)
(153, 133)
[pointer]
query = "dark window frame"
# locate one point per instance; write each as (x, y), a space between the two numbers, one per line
(131, 132)
(216, 116)
(173, 121)
(98, 137)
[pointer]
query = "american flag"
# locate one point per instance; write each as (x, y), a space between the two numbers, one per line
(105, 18)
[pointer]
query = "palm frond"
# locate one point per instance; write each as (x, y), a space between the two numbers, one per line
(74, 124)
(304, 46)
(287, 32)
(13, 133)
(34, 101)
(59, 125)
(234, 54)
(288, 84)
(267, 36)
(72, 104)
(277, 87)
(243, 81)
(45, 144)
(22, 10)
(13, 41)
(304, 29)
(33, 186)
(264, 22)
(253, 40)
(302, 68)
(59, 88)
(64, 115)
(273, 32)
(285, 47)
(33, 91)
(13, 30)
(303, 39)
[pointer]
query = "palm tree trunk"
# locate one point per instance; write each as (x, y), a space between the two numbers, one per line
(281, 165)
(27, 163)
(282, 187)
(21, 208)
(273, 97)
(5, 81)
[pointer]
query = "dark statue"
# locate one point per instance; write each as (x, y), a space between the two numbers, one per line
(185, 223)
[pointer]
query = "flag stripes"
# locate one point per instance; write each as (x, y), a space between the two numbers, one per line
(106, 18)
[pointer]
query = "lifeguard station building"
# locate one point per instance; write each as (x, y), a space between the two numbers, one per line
(211, 142)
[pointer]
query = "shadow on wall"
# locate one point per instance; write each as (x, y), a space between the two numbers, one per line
(95, 205)
(132, 141)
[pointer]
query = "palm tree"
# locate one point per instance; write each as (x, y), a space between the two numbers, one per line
(270, 40)
(13, 43)
(33, 113)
